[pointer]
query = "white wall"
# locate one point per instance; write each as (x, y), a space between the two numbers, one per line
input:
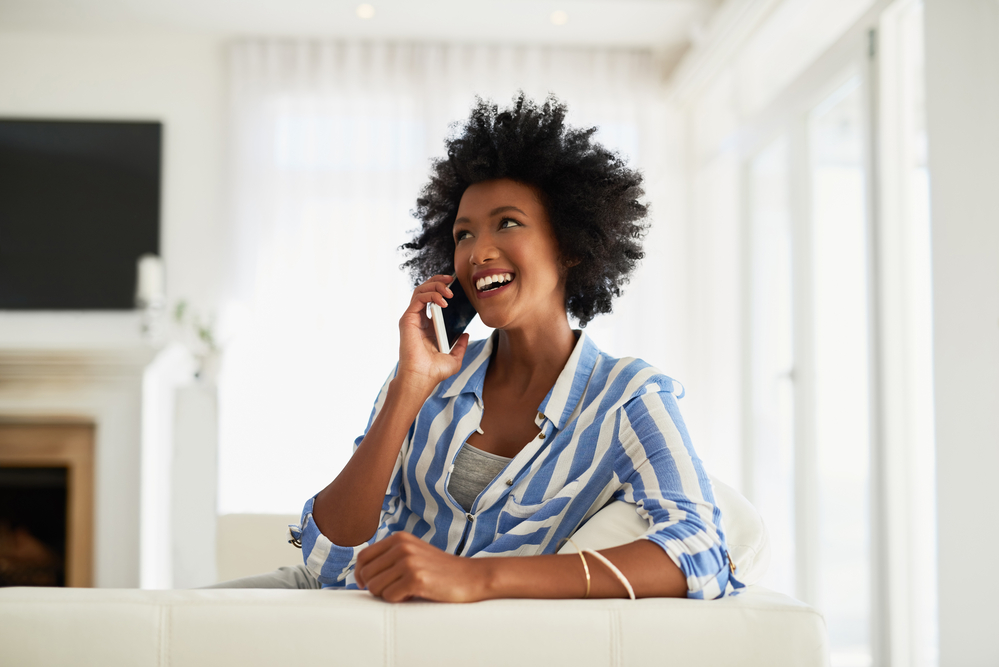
(962, 89)
(177, 80)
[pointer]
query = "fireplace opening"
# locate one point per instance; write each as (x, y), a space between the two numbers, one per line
(33, 525)
(46, 504)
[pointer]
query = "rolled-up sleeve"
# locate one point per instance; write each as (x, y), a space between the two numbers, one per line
(662, 475)
(331, 563)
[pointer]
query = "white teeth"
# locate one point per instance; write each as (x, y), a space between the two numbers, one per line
(486, 281)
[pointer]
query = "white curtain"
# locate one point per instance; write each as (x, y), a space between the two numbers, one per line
(330, 145)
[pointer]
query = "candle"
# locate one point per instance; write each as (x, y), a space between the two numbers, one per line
(150, 287)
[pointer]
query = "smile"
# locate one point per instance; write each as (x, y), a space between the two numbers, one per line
(490, 283)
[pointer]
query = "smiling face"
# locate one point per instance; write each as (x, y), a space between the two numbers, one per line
(506, 255)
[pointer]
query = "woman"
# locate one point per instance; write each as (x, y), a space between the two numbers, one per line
(505, 446)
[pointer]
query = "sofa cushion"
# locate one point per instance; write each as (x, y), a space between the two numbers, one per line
(748, 541)
(208, 628)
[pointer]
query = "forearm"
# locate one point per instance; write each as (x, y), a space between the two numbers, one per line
(648, 569)
(348, 510)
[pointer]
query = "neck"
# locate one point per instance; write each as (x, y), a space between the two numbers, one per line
(527, 360)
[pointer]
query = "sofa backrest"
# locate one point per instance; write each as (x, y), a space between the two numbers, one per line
(748, 541)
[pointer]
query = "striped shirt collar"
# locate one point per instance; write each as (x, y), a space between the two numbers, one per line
(561, 400)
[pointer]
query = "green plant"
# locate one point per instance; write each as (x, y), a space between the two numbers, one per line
(198, 334)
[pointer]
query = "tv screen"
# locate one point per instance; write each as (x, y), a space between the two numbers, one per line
(79, 203)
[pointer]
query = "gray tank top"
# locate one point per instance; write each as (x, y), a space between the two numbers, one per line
(473, 470)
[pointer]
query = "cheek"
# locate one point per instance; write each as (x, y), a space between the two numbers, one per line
(554, 260)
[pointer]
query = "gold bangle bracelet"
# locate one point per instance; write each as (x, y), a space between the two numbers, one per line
(613, 568)
(586, 568)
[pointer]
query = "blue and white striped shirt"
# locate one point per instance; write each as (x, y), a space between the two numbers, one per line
(609, 430)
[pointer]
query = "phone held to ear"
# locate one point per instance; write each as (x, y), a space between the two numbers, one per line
(450, 322)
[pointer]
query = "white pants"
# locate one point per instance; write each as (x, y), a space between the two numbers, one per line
(297, 576)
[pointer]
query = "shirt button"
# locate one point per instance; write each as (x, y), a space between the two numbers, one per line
(509, 482)
(541, 435)
(470, 517)
(540, 416)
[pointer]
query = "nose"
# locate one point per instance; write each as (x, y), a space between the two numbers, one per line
(483, 250)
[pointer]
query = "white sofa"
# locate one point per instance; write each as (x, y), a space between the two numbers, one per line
(250, 628)
(135, 628)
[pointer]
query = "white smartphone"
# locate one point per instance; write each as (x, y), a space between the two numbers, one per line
(450, 322)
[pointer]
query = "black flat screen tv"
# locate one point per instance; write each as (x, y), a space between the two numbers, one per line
(79, 204)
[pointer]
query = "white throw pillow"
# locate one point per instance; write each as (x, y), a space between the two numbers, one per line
(748, 541)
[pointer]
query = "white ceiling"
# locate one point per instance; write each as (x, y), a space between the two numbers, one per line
(664, 25)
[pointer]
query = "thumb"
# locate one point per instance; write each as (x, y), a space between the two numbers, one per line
(458, 351)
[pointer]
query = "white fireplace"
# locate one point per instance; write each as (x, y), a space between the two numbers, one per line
(87, 368)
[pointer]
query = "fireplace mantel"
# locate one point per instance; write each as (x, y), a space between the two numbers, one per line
(67, 365)
(70, 330)
(55, 366)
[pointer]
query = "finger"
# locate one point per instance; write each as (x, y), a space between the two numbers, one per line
(418, 304)
(381, 550)
(372, 570)
(383, 580)
(400, 590)
(435, 286)
(373, 551)
(423, 298)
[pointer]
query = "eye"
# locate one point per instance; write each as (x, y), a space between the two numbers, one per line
(506, 223)
(461, 234)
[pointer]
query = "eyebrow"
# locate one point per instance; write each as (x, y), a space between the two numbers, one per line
(495, 212)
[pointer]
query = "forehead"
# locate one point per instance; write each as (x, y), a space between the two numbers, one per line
(481, 199)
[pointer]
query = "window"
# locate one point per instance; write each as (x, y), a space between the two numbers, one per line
(809, 361)
(771, 358)
(838, 450)
(842, 363)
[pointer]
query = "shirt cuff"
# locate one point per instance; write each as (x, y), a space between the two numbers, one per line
(330, 563)
(707, 571)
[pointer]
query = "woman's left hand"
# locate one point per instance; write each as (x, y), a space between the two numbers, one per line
(403, 566)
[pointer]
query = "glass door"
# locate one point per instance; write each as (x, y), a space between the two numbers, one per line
(838, 413)
(842, 366)
(770, 443)
(810, 359)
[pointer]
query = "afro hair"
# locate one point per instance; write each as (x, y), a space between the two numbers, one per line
(589, 193)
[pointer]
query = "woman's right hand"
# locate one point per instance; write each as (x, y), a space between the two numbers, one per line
(421, 364)
(348, 511)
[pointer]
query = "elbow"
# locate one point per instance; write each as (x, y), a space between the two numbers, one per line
(705, 569)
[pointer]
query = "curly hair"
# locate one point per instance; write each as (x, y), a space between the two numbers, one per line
(589, 193)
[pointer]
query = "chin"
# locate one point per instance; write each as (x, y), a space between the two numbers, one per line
(495, 319)
(492, 323)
